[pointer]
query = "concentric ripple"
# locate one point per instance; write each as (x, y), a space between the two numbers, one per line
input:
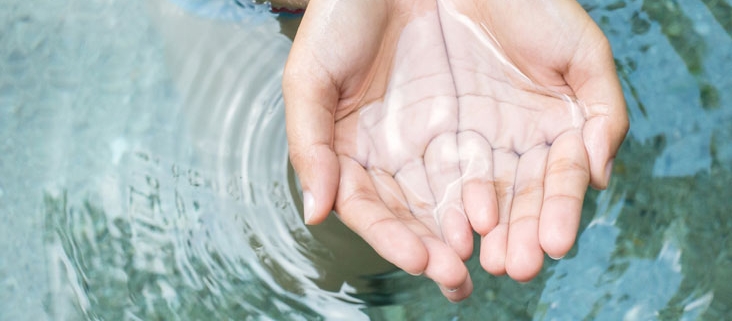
(196, 216)
(144, 176)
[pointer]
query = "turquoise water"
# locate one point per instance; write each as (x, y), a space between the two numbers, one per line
(144, 176)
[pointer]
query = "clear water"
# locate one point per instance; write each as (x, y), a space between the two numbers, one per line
(144, 175)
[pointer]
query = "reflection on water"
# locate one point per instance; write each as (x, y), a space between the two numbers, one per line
(144, 176)
(164, 186)
(177, 249)
(622, 282)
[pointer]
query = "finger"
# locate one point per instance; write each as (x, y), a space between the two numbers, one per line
(493, 245)
(442, 165)
(314, 80)
(565, 184)
(447, 270)
(361, 209)
(603, 135)
(398, 237)
(524, 256)
(309, 134)
(443, 266)
(478, 191)
(391, 194)
(413, 182)
(594, 79)
(310, 102)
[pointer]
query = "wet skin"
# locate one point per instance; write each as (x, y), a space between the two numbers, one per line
(420, 122)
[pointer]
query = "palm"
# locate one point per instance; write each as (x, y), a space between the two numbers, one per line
(431, 128)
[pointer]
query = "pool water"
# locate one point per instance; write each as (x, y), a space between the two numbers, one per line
(144, 175)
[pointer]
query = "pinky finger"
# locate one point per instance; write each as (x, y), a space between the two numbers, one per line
(360, 208)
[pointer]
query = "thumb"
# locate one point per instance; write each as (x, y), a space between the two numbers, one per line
(317, 168)
(310, 102)
(593, 78)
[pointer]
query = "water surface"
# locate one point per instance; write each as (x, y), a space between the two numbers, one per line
(144, 175)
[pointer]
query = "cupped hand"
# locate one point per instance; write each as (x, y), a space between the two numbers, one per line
(405, 116)
(349, 59)
(542, 115)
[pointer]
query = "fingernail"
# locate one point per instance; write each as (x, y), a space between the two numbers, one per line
(414, 274)
(308, 204)
(609, 170)
(556, 258)
(448, 289)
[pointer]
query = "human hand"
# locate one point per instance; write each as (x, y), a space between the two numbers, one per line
(338, 98)
(542, 115)
(343, 62)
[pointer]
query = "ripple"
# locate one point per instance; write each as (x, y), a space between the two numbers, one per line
(145, 176)
(189, 209)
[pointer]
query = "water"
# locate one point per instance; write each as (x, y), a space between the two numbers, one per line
(144, 176)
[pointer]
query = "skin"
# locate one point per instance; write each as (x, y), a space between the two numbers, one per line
(418, 128)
